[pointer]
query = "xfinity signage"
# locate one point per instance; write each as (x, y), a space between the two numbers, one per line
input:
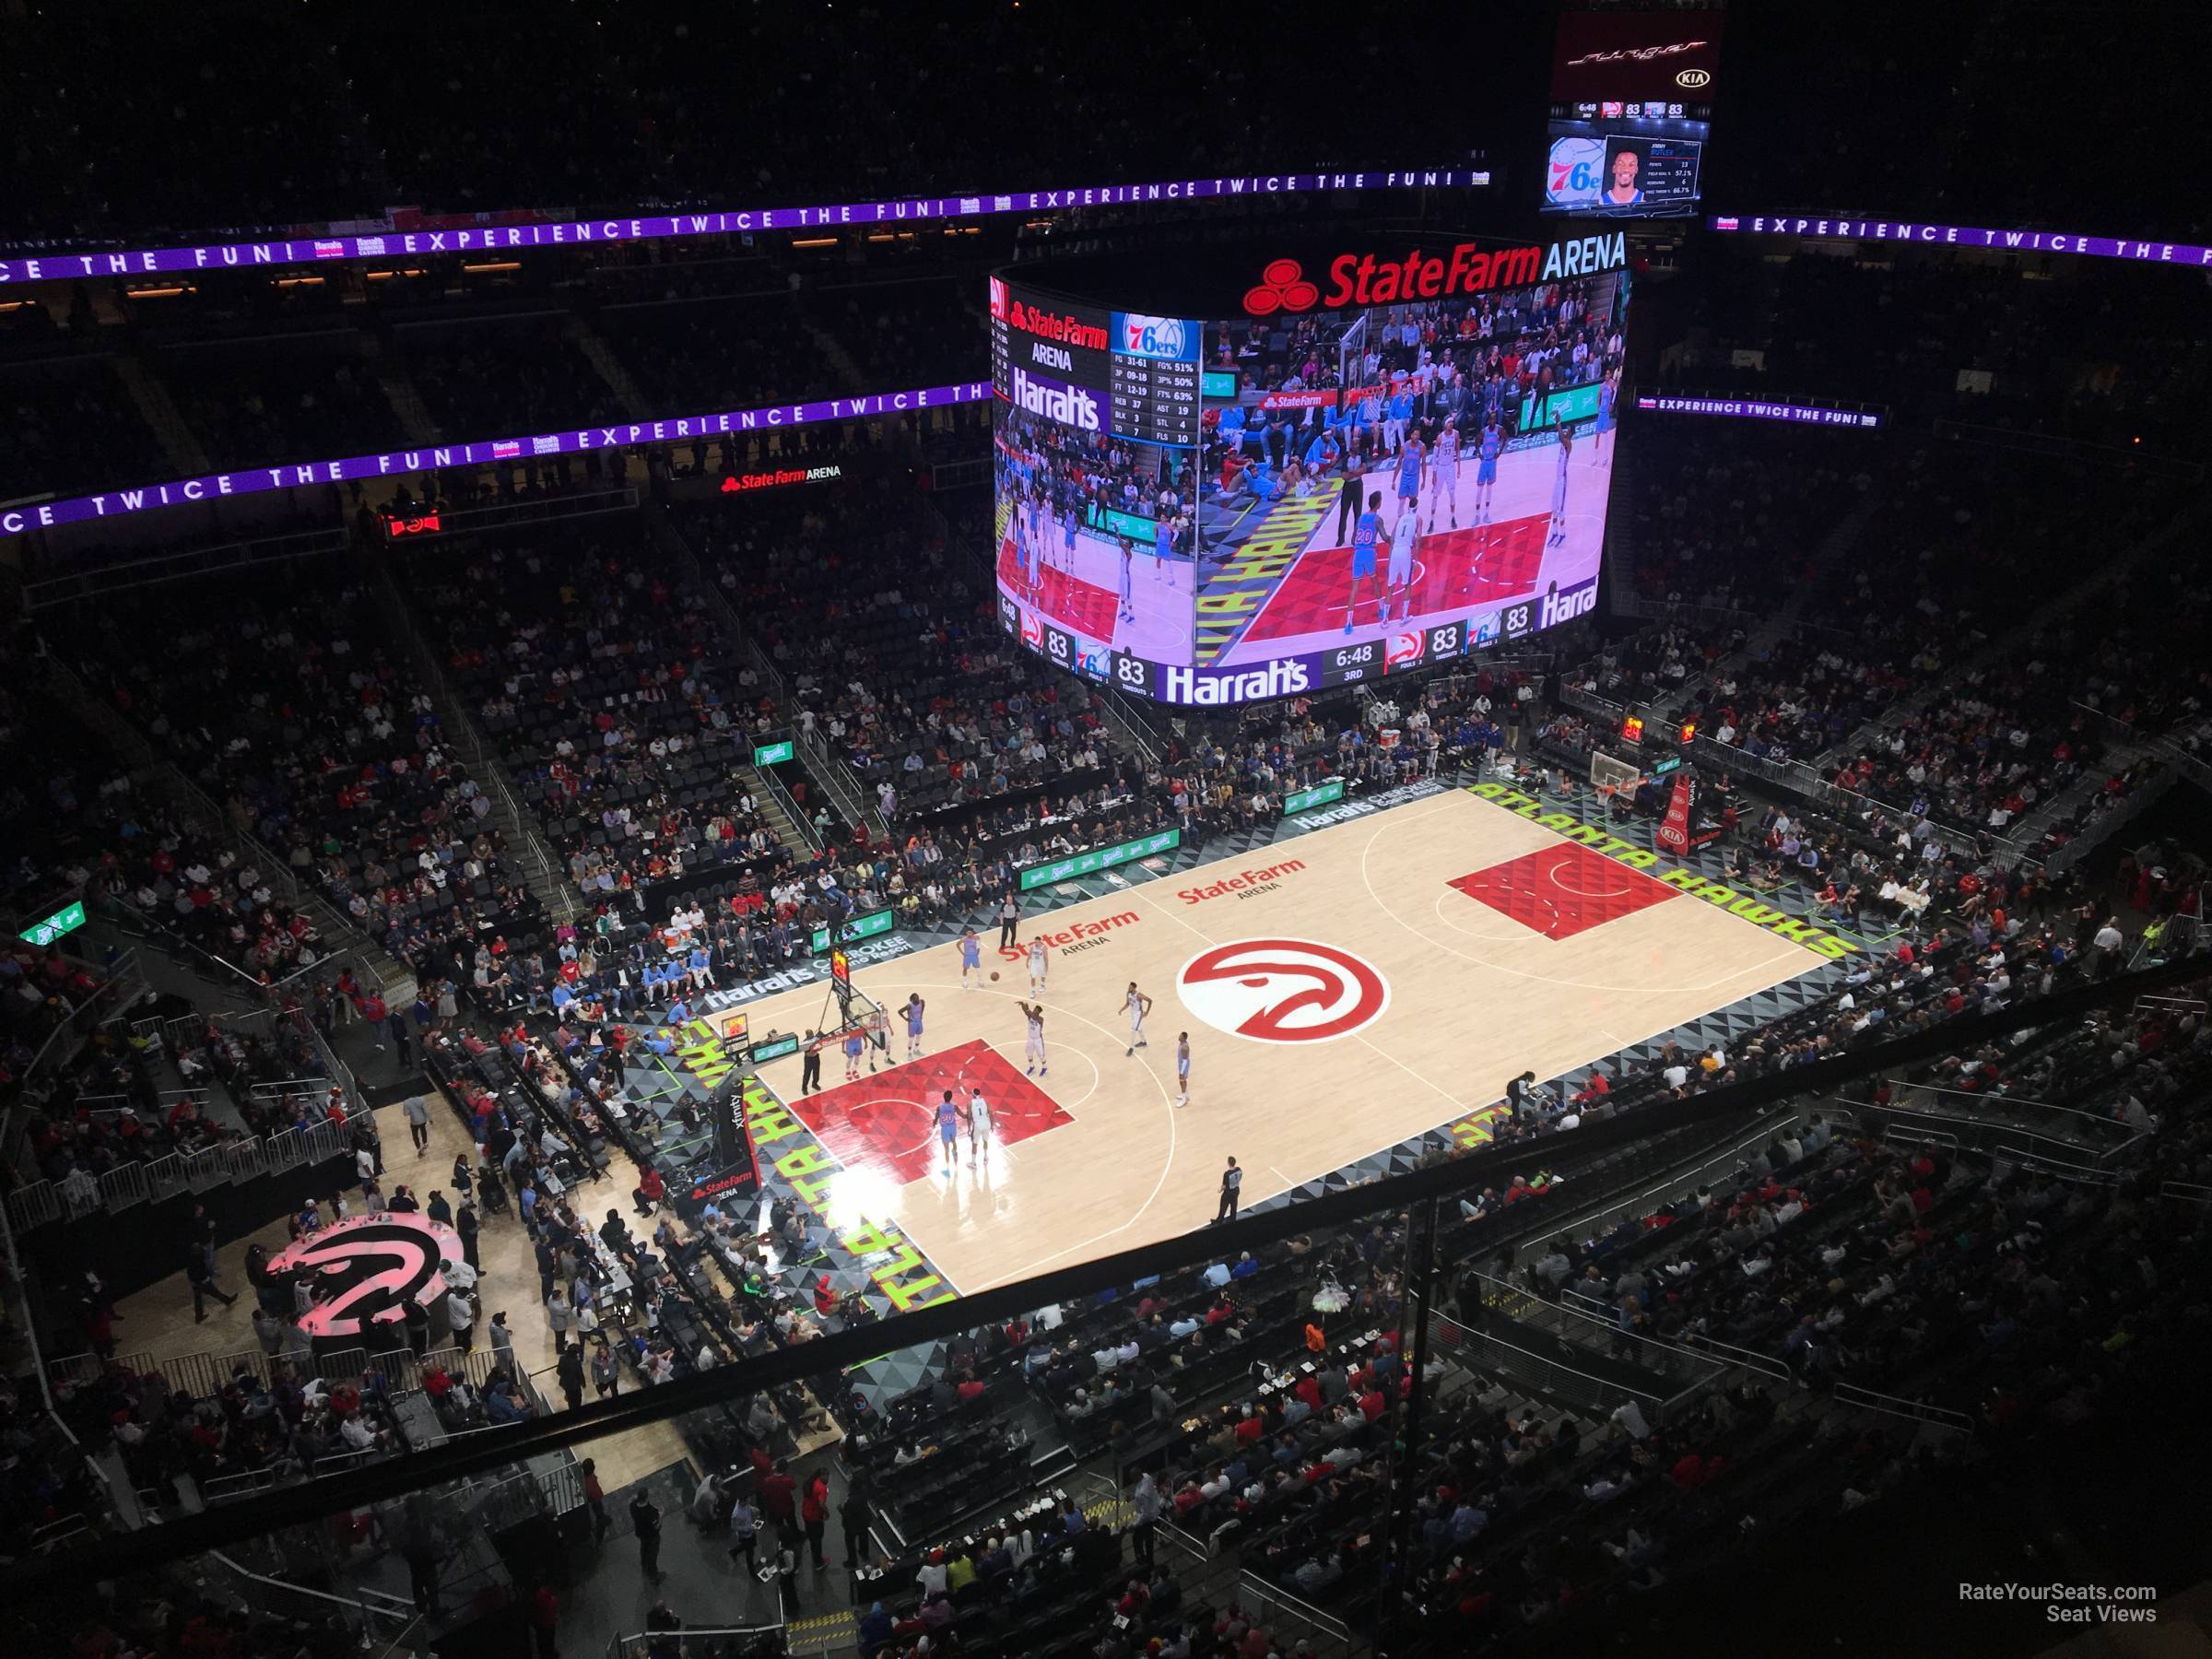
(1055, 400)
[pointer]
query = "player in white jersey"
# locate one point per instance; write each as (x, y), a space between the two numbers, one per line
(1398, 573)
(1443, 474)
(1137, 1004)
(1182, 1068)
(1558, 486)
(1128, 610)
(978, 1124)
(1033, 1050)
(1038, 963)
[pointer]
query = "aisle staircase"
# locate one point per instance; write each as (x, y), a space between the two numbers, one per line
(178, 443)
(781, 814)
(594, 346)
(402, 393)
(542, 870)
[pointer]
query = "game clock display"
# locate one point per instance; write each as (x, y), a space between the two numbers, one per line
(1345, 664)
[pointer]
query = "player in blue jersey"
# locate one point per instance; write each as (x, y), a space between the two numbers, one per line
(948, 1130)
(1558, 484)
(1444, 473)
(1485, 469)
(1364, 535)
(1412, 456)
(1605, 393)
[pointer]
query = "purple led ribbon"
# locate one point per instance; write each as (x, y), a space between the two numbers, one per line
(1964, 236)
(399, 462)
(485, 234)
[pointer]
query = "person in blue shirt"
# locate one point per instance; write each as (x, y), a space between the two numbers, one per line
(1364, 534)
(1605, 419)
(562, 998)
(701, 962)
(1320, 454)
(1401, 412)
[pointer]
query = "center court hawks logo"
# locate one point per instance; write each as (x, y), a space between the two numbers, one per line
(1283, 989)
(368, 1266)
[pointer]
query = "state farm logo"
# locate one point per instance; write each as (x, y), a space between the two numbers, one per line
(1283, 989)
(1693, 77)
(1244, 883)
(1083, 936)
(1282, 286)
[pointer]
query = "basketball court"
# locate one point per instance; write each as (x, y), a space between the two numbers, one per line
(1345, 990)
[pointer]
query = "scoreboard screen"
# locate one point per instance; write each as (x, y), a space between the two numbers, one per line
(1340, 485)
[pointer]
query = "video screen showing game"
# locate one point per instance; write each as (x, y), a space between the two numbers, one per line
(1402, 458)
(1631, 112)
(1390, 484)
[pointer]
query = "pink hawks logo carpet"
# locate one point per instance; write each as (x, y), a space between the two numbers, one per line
(1283, 989)
(367, 1267)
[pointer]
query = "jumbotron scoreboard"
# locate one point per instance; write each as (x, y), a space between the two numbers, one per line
(1129, 374)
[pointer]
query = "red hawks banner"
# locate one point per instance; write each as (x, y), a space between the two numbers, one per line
(1673, 834)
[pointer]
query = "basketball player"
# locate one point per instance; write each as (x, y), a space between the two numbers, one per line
(1411, 458)
(1067, 539)
(1039, 963)
(978, 1124)
(1606, 390)
(1403, 537)
(854, 1042)
(1033, 1050)
(1182, 1068)
(948, 1130)
(913, 1025)
(1363, 554)
(1137, 1004)
(1486, 468)
(1128, 611)
(1558, 484)
(1444, 473)
(972, 959)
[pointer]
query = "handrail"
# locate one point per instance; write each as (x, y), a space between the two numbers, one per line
(1992, 1124)
(1966, 1094)
(1851, 1394)
(1251, 1588)
(1614, 1330)
(390, 1608)
(783, 798)
(1479, 1334)
(2185, 1191)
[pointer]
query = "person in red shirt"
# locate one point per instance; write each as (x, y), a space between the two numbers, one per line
(776, 1491)
(648, 1191)
(544, 1619)
(815, 1512)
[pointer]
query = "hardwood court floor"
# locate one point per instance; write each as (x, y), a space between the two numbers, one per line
(1345, 990)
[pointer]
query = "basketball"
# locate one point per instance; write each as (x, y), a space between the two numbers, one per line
(995, 975)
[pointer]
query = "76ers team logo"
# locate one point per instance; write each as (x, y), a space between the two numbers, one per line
(1283, 989)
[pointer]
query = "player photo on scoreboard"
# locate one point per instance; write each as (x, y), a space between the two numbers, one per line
(1385, 472)
(1094, 540)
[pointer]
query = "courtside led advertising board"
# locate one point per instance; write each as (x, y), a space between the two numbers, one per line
(1277, 469)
